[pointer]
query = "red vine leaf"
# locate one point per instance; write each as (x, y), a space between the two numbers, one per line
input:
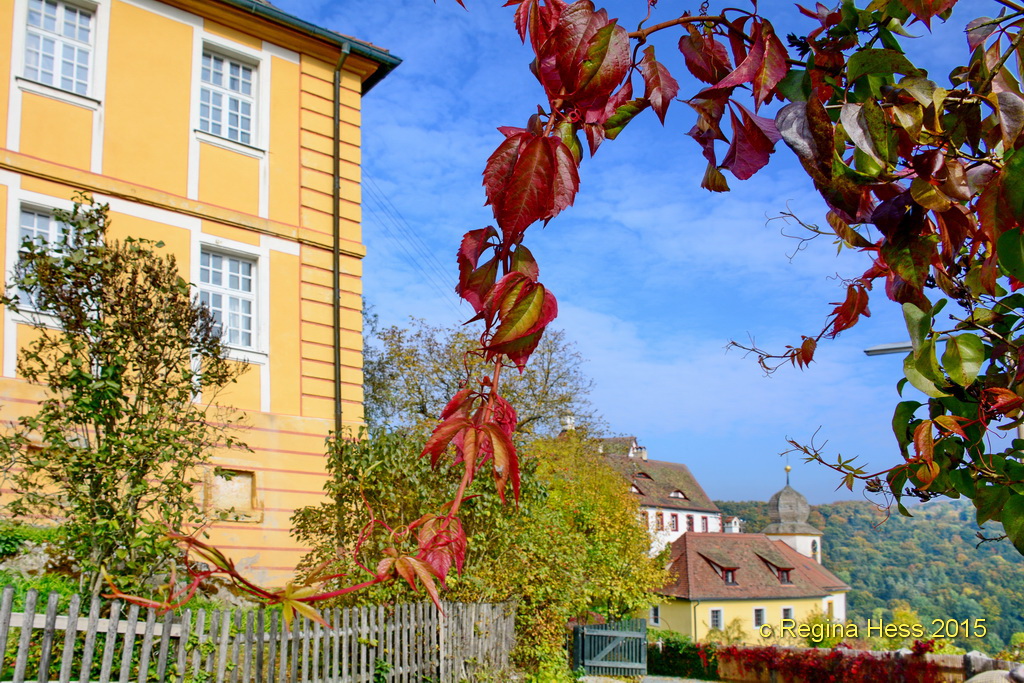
(660, 87)
(753, 141)
(849, 312)
(926, 9)
(706, 58)
(501, 164)
(442, 436)
(475, 282)
(527, 196)
(751, 63)
(506, 461)
(774, 66)
(978, 31)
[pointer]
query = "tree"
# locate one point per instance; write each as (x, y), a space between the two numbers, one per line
(123, 353)
(411, 372)
(572, 545)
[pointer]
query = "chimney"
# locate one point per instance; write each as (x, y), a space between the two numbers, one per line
(642, 451)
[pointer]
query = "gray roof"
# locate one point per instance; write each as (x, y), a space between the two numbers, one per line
(657, 480)
(788, 511)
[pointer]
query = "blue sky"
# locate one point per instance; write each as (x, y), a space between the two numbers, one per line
(653, 274)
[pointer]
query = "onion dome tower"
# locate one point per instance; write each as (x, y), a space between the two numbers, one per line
(788, 511)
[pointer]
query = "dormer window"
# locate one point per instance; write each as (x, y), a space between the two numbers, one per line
(642, 475)
(634, 489)
(727, 572)
(784, 576)
(677, 494)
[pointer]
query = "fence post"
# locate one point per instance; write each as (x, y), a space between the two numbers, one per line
(69, 640)
(48, 632)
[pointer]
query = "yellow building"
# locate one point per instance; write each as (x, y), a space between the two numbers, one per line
(230, 131)
(762, 585)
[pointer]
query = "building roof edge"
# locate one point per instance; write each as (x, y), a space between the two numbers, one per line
(385, 60)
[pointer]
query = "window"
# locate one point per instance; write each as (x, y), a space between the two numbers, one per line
(677, 494)
(644, 520)
(674, 523)
(227, 98)
(730, 576)
(784, 576)
(58, 45)
(655, 615)
(758, 617)
(814, 549)
(659, 521)
(37, 226)
(716, 619)
(704, 524)
(689, 522)
(787, 612)
(227, 286)
(642, 475)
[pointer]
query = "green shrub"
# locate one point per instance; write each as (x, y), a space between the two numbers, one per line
(63, 586)
(673, 654)
(13, 536)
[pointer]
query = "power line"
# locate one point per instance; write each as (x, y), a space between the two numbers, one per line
(417, 254)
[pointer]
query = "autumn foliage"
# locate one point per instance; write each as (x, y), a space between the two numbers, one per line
(924, 178)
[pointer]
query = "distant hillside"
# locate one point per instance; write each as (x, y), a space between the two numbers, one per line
(929, 560)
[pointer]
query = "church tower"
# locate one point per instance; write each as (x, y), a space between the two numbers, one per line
(788, 511)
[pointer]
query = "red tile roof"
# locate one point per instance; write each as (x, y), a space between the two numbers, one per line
(753, 556)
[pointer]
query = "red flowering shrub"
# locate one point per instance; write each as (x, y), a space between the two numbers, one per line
(830, 666)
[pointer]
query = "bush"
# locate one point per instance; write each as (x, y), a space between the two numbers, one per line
(830, 665)
(672, 654)
(13, 536)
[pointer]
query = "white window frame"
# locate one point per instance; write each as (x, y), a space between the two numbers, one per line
(242, 55)
(60, 43)
(229, 286)
(759, 617)
(260, 258)
(53, 234)
(92, 100)
(654, 617)
(17, 201)
(228, 86)
(787, 609)
(715, 614)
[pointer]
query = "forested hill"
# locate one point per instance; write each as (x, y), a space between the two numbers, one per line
(929, 560)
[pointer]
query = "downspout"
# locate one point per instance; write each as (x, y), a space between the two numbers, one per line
(336, 234)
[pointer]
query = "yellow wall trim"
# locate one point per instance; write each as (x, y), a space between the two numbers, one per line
(58, 173)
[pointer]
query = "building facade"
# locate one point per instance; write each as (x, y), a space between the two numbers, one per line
(672, 502)
(230, 131)
(752, 586)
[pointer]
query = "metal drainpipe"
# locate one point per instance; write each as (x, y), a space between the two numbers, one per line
(336, 234)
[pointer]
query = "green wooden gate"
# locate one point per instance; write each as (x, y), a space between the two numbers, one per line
(613, 649)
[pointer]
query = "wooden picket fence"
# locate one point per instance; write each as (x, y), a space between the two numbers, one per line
(406, 643)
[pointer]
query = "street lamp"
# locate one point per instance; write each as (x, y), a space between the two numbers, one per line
(886, 349)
